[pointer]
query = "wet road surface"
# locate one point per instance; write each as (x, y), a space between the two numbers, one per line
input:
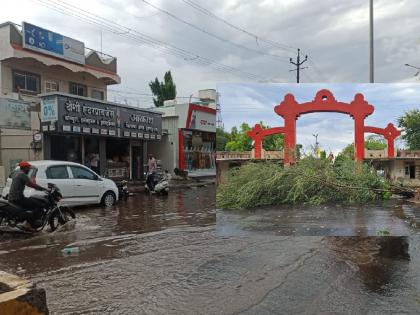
(396, 217)
(173, 260)
(194, 271)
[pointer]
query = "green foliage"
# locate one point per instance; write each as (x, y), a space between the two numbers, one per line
(299, 148)
(222, 138)
(312, 181)
(410, 121)
(382, 232)
(375, 142)
(163, 91)
(372, 142)
(238, 140)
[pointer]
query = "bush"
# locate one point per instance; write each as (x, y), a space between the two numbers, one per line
(311, 181)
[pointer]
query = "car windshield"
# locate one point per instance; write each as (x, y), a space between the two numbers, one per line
(31, 173)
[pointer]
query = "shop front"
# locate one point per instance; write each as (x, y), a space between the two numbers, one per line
(197, 142)
(109, 138)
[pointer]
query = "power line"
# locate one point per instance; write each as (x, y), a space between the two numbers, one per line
(242, 30)
(212, 34)
(319, 72)
(257, 38)
(140, 38)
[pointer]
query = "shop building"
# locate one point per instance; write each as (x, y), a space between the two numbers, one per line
(403, 169)
(189, 135)
(34, 61)
(110, 138)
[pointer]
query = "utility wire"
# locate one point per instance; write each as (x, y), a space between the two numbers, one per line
(242, 30)
(140, 38)
(317, 70)
(282, 58)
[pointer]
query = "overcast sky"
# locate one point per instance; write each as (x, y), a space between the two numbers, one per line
(253, 103)
(333, 33)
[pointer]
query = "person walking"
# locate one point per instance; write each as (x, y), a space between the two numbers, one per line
(152, 165)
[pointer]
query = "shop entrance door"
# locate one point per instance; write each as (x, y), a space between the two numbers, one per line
(137, 163)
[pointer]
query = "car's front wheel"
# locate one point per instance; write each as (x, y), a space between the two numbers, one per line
(108, 200)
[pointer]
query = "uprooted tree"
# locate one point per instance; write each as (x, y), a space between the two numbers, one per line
(312, 181)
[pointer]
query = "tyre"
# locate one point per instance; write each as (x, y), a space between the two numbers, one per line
(60, 216)
(108, 200)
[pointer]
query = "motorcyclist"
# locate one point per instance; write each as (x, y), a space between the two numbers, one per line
(16, 196)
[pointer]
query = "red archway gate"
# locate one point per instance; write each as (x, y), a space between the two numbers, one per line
(324, 101)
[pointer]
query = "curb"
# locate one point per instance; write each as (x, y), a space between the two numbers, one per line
(21, 297)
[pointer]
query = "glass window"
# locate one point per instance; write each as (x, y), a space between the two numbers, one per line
(51, 86)
(78, 89)
(57, 172)
(99, 95)
(26, 82)
(82, 173)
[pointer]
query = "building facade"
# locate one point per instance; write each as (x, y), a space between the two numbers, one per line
(189, 135)
(41, 72)
(403, 169)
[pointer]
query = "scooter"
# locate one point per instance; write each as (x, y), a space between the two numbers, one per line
(12, 215)
(123, 192)
(160, 183)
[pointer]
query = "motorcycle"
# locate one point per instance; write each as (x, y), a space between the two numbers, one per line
(123, 190)
(12, 215)
(160, 182)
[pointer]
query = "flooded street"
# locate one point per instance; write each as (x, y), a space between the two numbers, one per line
(396, 217)
(172, 259)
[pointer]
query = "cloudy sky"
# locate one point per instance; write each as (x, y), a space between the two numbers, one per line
(253, 103)
(204, 43)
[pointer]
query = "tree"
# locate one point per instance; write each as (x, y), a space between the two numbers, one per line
(163, 91)
(410, 122)
(272, 142)
(375, 142)
(222, 137)
(372, 142)
(238, 140)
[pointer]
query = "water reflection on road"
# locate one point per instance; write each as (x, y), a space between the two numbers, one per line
(398, 218)
(164, 256)
(101, 233)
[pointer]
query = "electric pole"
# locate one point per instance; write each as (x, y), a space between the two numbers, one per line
(316, 144)
(371, 59)
(298, 63)
(219, 122)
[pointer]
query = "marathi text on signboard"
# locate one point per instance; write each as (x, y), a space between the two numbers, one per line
(90, 117)
(14, 114)
(47, 42)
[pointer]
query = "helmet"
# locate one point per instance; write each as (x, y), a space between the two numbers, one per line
(24, 164)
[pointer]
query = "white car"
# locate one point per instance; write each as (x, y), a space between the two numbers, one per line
(78, 184)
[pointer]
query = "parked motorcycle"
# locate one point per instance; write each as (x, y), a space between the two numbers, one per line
(12, 215)
(123, 192)
(159, 181)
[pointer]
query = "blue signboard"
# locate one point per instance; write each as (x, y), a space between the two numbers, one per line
(47, 42)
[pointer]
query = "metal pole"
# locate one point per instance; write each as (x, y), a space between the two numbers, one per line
(371, 59)
(298, 66)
